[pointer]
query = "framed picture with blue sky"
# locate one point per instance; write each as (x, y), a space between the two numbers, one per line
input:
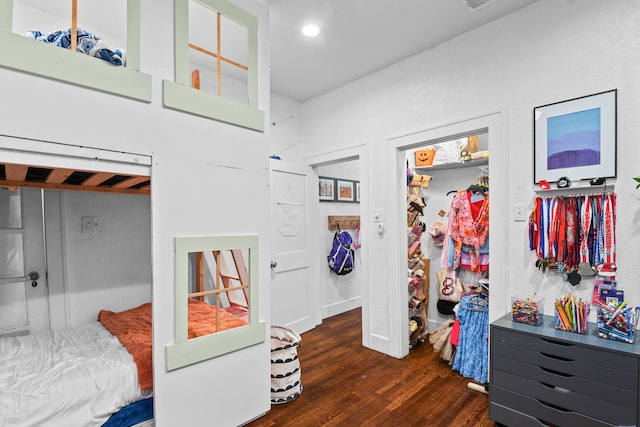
(576, 138)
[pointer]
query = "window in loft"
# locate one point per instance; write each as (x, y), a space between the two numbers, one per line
(216, 63)
(89, 43)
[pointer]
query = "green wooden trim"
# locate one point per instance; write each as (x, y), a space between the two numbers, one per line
(254, 294)
(253, 77)
(209, 346)
(189, 351)
(181, 29)
(213, 106)
(6, 15)
(187, 99)
(133, 35)
(24, 54)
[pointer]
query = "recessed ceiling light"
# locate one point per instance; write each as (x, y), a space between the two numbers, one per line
(310, 30)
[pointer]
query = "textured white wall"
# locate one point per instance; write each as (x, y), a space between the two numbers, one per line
(548, 52)
(110, 268)
(339, 293)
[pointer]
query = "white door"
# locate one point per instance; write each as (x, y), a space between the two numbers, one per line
(295, 301)
(24, 303)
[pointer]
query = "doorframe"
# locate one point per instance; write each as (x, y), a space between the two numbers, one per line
(492, 122)
(14, 149)
(356, 152)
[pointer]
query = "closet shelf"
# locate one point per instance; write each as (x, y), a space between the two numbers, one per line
(467, 164)
(585, 189)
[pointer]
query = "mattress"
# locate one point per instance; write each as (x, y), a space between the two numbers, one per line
(72, 377)
(83, 375)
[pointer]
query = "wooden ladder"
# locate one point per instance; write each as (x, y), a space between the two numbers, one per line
(224, 281)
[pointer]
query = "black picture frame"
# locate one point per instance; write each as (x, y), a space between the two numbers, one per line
(326, 189)
(576, 138)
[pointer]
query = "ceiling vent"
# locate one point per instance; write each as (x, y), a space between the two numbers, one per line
(473, 5)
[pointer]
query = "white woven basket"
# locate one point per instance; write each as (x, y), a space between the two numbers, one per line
(286, 384)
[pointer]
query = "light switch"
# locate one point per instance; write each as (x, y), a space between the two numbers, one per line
(89, 224)
(519, 213)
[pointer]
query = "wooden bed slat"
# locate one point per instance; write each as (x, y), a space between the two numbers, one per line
(58, 176)
(130, 182)
(98, 178)
(18, 176)
(16, 172)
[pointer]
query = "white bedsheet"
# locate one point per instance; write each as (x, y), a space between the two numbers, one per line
(74, 377)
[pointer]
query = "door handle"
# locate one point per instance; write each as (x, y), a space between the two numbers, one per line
(34, 276)
(274, 264)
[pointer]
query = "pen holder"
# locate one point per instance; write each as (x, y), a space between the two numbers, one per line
(528, 310)
(571, 315)
(618, 325)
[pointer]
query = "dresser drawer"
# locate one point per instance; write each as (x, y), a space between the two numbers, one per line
(617, 370)
(516, 410)
(568, 350)
(565, 400)
(605, 392)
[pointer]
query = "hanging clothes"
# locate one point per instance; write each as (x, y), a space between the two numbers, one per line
(467, 243)
(472, 353)
(574, 233)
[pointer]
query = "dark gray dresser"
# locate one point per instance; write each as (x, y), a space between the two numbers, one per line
(540, 376)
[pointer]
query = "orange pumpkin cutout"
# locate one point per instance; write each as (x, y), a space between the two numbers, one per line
(425, 157)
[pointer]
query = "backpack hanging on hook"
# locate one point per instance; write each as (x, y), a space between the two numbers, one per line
(342, 254)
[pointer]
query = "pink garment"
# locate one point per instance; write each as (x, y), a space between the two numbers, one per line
(465, 261)
(463, 228)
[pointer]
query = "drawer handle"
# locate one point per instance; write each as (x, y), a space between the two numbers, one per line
(554, 342)
(555, 388)
(551, 371)
(551, 356)
(557, 408)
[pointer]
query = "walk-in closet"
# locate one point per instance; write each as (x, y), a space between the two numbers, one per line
(448, 251)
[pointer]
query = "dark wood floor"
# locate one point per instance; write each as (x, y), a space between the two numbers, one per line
(346, 384)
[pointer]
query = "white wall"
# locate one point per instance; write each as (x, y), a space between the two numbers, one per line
(548, 52)
(203, 174)
(110, 268)
(339, 293)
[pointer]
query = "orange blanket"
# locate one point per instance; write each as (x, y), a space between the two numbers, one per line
(133, 329)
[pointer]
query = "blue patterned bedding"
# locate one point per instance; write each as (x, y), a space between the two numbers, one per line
(132, 414)
(88, 44)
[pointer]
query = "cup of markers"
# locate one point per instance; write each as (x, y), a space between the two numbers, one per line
(617, 321)
(571, 314)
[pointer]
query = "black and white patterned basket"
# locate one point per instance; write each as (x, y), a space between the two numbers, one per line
(286, 384)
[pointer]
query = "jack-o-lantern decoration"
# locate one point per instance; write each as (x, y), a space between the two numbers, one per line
(425, 157)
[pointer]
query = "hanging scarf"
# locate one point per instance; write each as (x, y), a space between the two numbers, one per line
(608, 268)
(464, 229)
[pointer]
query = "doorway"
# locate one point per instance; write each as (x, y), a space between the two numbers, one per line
(397, 152)
(335, 299)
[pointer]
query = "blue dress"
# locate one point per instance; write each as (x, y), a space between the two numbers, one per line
(472, 355)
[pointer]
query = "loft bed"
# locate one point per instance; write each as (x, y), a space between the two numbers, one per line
(97, 374)
(79, 363)
(54, 178)
(100, 374)
(47, 59)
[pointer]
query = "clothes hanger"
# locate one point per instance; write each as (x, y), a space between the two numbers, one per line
(477, 189)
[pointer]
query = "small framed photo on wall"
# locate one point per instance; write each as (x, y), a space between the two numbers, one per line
(327, 190)
(357, 200)
(345, 190)
(575, 139)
